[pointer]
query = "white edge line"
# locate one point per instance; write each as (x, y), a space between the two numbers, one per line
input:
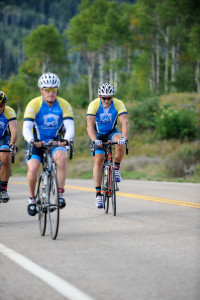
(57, 283)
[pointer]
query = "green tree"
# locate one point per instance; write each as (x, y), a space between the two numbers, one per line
(45, 51)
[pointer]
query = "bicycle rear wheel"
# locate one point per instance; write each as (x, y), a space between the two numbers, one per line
(42, 212)
(113, 190)
(53, 202)
(104, 188)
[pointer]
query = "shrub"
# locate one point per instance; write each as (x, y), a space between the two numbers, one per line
(144, 114)
(177, 124)
(183, 162)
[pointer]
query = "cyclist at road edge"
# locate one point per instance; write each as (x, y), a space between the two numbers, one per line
(102, 116)
(8, 139)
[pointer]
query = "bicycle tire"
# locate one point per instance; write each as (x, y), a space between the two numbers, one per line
(42, 212)
(105, 191)
(113, 190)
(53, 205)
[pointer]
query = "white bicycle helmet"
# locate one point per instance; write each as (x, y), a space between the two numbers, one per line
(48, 80)
(106, 89)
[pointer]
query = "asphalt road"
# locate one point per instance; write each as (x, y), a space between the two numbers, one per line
(149, 251)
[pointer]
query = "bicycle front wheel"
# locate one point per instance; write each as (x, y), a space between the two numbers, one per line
(113, 190)
(53, 205)
(42, 212)
(104, 188)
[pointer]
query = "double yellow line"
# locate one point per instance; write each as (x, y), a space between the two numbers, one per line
(148, 198)
(134, 196)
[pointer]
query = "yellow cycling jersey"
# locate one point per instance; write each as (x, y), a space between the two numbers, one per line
(106, 118)
(35, 105)
(6, 116)
(47, 120)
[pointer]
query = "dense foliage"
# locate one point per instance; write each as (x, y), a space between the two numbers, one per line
(145, 48)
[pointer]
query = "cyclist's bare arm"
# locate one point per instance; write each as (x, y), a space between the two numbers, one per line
(90, 127)
(13, 131)
(123, 119)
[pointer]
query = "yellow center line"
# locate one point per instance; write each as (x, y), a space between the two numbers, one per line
(127, 195)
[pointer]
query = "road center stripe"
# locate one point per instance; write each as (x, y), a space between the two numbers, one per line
(142, 197)
(61, 286)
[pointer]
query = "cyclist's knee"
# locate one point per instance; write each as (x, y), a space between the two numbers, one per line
(61, 158)
(98, 161)
(5, 158)
(33, 167)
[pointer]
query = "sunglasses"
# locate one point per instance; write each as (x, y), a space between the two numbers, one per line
(106, 98)
(2, 104)
(48, 90)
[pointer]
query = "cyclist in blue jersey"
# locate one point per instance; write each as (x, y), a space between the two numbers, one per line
(102, 116)
(8, 139)
(43, 119)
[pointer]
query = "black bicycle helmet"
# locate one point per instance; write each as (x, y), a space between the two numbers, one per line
(3, 97)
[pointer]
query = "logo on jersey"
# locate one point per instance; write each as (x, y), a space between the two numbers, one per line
(11, 114)
(106, 118)
(122, 107)
(2, 125)
(30, 112)
(50, 121)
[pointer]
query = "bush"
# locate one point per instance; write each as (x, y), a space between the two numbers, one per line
(178, 124)
(144, 114)
(183, 162)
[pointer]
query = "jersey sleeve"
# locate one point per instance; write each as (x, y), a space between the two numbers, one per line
(32, 109)
(93, 107)
(66, 108)
(10, 113)
(120, 107)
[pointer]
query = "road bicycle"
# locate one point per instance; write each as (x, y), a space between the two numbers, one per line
(109, 185)
(12, 150)
(47, 196)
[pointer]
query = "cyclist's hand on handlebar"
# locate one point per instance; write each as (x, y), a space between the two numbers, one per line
(37, 143)
(63, 143)
(13, 148)
(121, 141)
(98, 143)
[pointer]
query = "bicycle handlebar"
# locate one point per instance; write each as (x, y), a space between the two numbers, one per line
(108, 143)
(11, 151)
(69, 146)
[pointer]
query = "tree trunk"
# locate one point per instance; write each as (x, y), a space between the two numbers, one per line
(129, 60)
(157, 63)
(177, 54)
(166, 59)
(197, 76)
(111, 65)
(153, 74)
(173, 67)
(90, 63)
(101, 64)
(115, 70)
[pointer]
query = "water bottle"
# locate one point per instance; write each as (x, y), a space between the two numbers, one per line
(106, 170)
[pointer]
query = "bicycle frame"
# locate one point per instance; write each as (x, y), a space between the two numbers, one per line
(47, 183)
(109, 185)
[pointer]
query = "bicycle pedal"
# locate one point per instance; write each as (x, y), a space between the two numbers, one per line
(52, 209)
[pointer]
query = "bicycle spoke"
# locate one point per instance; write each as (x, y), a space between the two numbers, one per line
(113, 191)
(42, 213)
(53, 208)
(105, 190)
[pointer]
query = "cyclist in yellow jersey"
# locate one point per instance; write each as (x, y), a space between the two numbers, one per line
(8, 139)
(102, 116)
(43, 119)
